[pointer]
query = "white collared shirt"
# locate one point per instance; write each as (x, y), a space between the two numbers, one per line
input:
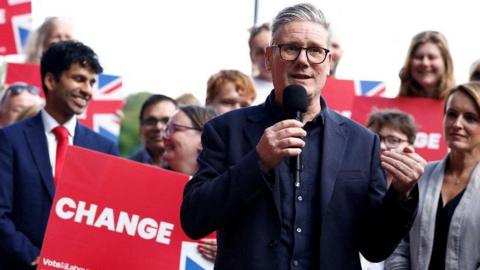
(49, 124)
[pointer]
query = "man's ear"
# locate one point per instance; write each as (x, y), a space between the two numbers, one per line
(49, 81)
(268, 58)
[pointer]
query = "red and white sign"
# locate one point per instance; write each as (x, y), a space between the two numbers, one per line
(112, 213)
(15, 25)
(339, 94)
(428, 115)
(28, 73)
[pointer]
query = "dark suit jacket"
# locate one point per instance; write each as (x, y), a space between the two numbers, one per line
(27, 189)
(230, 194)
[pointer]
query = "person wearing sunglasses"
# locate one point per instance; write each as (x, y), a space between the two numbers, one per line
(16, 98)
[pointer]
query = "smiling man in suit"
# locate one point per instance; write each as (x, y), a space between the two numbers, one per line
(31, 151)
(245, 190)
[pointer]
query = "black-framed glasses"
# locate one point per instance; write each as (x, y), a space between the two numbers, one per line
(152, 121)
(290, 52)
(172, 128)
(391, 141)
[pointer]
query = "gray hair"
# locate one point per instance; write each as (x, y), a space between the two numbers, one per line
(300, 12)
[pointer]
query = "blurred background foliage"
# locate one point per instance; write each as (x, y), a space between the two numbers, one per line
(129, 140)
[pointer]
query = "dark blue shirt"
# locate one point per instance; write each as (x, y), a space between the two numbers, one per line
(300, 207)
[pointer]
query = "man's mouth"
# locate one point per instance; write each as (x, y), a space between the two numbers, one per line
(301, 76)
(81, 101)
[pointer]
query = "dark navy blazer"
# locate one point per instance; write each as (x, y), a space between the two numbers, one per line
(230, 194)
(27, 189)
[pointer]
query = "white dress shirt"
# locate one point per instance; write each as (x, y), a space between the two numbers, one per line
(49, 124)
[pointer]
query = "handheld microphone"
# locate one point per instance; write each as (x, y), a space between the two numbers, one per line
(295, 104)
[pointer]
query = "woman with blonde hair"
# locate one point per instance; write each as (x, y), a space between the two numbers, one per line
(445, 233)
(428, 68)
(52, 30)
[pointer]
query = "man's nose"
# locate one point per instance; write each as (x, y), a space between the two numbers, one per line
(383, 146)
(302, 57)
(87, 90)
(160, 126)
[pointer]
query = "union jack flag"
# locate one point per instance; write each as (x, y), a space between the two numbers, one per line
(369, 88)
(15, 25)
(341, 93)
(190, 258)
(101, 114)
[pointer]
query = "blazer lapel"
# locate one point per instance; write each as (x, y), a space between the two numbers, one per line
(80, 137)
(334, 143)
(84, 137)
(254, 129)
(37, 142)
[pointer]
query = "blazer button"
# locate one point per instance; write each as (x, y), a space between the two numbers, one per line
(273, 244)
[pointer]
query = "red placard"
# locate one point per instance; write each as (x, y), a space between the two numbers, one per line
(339, 95)
(15, 25)
(428, 114)
(112, 213)
(28, 73)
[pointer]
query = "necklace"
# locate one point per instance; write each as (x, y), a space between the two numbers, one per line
(456, 181)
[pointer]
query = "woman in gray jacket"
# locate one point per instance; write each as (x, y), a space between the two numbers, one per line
(446, 231)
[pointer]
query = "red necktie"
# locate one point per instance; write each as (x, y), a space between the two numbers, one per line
(61, 133)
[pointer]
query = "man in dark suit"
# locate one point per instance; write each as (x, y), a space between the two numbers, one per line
(28, 151)
(245, 191)
(154, 115)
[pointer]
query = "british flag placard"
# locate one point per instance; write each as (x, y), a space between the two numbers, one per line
(339, 94)
(369, 88)
(191, 259)
(15, 25)
(102, 113)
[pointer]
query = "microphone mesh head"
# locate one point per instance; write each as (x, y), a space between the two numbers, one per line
(295, 98)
